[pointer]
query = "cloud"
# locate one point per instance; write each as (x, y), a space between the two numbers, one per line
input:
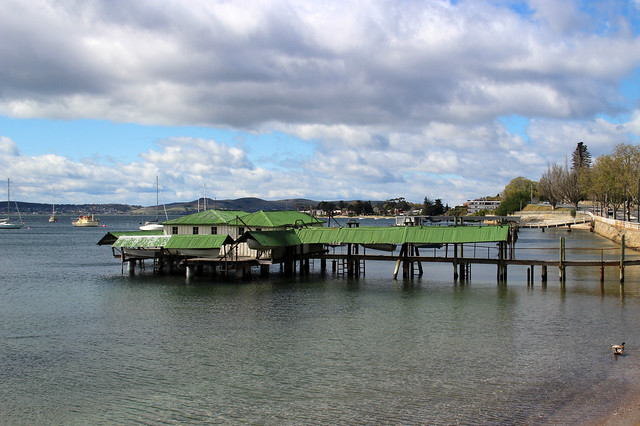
(398, 97)
(245, 63)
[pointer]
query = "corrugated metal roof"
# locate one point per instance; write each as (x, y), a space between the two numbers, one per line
(270, 239)
(174, 241)
(364, 235)
(456, 234)
(207, 217)
(401, 235)
(111, 237)
(276, 219)
(198, 241)
(148, 241)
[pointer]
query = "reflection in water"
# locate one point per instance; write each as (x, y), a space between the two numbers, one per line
(82, 344)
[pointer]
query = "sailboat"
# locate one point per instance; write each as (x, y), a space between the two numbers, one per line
(53, 217)
(6, 223)
(153, 225)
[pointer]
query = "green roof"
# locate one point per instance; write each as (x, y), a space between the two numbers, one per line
(198, 241)
(269, 239)
(456, 234)
(173, 241)
(276, 219)
(149, 241)
(207, 217)
(401, 235)
(111, 237)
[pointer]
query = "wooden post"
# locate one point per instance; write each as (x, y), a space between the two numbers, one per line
(528, 276)
(561, 270)
(532, 272)
(455, 261)
(602, 266)
(323, 266)
(402, 249)
(544, 274)
(419, 263)
(405, 263)
(501, 266)
(264, 271)
(622, 259)
(462, 265)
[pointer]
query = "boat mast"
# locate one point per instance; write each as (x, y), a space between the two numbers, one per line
(8, 198)
(157, 199)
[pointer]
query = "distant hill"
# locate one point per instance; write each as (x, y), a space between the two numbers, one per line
(245, 204)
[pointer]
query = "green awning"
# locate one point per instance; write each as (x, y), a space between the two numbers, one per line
(271, 239)
(112, 237)
(133, 241)
(198, 241)
(456, 234)
(276, 219)
(174, 241)
(401, 235)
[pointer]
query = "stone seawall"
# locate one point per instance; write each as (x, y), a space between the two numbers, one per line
(607, 228)
(615, 233)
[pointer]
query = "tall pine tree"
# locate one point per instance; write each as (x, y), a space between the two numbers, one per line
(581, 159)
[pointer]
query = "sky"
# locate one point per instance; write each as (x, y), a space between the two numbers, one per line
(318, 99)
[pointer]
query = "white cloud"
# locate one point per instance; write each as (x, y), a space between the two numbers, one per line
(399, 97)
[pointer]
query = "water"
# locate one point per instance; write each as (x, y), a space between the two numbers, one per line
(82, 344)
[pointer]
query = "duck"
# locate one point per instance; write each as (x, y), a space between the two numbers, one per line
(617, 349)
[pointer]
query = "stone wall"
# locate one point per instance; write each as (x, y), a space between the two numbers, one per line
(615, 233)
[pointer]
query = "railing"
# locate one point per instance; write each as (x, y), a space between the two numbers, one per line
(617, 223)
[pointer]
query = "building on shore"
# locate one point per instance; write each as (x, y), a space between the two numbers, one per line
(480, 204)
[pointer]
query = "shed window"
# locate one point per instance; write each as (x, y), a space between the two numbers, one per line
(195, 230)
(214, 230)
(174, 230)
(240, 230)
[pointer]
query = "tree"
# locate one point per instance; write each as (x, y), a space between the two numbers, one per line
(517, 194)
(615, 177)
(580, 159)
(326, 206)
(518, 185)
(432, 208)
(549, 184)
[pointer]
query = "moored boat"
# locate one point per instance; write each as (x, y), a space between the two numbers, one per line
(153, 225)
(86, 221)
(53, 217)
(6, 223)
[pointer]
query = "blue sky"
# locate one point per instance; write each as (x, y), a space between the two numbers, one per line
(324, 100)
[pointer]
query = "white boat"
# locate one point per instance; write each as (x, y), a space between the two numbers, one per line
(6, 223)
(86, 221)
(53, 217)
(153, 225)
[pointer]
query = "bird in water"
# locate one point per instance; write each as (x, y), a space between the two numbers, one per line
(617, 349)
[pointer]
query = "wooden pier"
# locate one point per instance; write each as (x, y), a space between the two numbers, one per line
(460, 246)
(558, 224)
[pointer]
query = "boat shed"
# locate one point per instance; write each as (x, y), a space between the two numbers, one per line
(418, 235)
(208, 222)
(276, 220)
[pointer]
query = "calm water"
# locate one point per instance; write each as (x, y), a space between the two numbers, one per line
(81, 344)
